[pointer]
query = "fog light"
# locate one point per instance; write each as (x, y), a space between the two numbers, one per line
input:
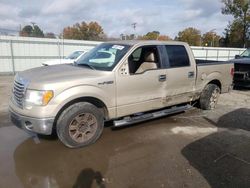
(28, 125)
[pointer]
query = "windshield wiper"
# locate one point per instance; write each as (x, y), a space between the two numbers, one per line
(86, 65)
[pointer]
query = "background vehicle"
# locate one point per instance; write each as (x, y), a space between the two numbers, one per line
(242, 69)
(103, 57)
(69, 59)
(144, 80)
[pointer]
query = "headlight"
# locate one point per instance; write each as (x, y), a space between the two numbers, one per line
(37, 98)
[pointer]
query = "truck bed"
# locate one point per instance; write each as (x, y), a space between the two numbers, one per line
(205, 71)
(210, 62)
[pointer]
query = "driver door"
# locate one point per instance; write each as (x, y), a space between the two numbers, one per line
(140, 92)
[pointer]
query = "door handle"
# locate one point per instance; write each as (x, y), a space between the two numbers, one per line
(162, 78)
(191, 74)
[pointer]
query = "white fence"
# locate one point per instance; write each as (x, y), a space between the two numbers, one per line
(21, 53)
(216, 53)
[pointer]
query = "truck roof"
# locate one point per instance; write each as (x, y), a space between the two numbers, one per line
(147, 42)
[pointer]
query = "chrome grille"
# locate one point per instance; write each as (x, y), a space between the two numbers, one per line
(18, 93)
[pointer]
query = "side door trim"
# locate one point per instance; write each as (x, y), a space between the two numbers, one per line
(163, 55)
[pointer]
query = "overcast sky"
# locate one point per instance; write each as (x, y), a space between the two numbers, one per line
(116, 16)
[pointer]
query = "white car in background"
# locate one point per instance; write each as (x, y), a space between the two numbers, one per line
(67, 60)
(103, 57)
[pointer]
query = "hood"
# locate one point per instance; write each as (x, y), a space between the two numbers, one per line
(241, 60)
(59, 73)
(58, 61)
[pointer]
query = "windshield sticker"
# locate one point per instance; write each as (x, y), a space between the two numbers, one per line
(118, 47)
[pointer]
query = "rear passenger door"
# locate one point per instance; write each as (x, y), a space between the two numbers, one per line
(181, 74)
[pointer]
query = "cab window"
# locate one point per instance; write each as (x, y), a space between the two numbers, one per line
(177, 56)
(143, 59)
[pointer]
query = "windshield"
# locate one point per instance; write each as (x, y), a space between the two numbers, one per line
(246, 53)
(104, 56)
(74, 55)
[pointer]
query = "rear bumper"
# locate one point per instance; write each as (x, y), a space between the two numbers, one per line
(35, 125)
(242, 83)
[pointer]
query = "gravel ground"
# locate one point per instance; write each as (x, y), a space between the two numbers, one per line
(5, 91)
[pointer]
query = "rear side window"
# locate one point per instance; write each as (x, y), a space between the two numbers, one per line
(177, 56)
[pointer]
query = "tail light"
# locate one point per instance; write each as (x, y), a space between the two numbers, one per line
(232, 72)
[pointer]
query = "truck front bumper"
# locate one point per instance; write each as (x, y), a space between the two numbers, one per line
(30, 124)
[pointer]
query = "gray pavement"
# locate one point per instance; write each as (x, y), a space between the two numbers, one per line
(192, 149)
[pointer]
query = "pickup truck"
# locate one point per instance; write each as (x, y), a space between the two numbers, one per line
(242, 69)
(144, 80)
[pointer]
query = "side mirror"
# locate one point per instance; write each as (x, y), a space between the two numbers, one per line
(237, 56)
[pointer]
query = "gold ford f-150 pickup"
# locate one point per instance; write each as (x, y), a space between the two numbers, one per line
(124, 81)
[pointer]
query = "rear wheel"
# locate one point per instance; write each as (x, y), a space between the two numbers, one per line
(209, 97)
(80, 124)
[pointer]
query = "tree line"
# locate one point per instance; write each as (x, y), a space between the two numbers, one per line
(236, 34)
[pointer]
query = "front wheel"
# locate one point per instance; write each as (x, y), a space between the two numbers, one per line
(80, 125)
(209, 97)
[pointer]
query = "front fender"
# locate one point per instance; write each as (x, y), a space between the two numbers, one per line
(105, 95)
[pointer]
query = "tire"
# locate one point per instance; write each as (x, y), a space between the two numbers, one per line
(79, 125)
(209, 97)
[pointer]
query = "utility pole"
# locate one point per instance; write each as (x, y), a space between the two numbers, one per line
(213, 33)
(134, 27)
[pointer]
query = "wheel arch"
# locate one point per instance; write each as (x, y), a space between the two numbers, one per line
(216, 82)
(92, 100)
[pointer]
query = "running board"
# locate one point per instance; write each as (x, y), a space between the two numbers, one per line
(151, 115)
